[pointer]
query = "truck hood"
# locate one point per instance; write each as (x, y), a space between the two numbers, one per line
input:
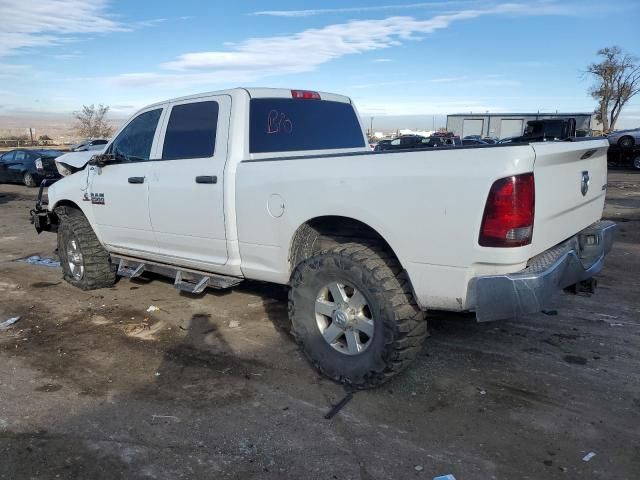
(74, 161)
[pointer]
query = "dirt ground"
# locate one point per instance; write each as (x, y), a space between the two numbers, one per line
(94, 387)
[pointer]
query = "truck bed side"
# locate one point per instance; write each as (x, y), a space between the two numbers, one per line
(426, 204)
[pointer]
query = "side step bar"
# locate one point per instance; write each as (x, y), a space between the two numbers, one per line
(186, 280)
(130, 269)
(191, 285)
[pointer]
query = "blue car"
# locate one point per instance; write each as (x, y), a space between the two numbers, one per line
(29, 167)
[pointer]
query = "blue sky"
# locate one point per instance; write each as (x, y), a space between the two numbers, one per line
(407, 58)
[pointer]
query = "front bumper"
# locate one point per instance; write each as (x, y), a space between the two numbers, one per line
(531, 290)
(42, 219)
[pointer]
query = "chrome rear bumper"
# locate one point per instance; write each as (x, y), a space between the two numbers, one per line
(496, 297)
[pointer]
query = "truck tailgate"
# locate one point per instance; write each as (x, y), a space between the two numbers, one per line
(571, 179)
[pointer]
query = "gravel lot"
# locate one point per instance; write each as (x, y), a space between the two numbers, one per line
(93, 386)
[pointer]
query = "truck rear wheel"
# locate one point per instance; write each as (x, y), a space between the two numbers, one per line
(353, 310)
(85, 262)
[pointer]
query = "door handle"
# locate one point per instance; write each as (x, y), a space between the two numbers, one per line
(206, 179)
(136, 180)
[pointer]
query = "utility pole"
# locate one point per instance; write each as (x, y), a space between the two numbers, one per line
(371, 128)
(31, 134)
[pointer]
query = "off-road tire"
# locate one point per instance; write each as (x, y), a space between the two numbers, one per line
(626, 142)
(99, 272)
(28, 180)
(400, 327)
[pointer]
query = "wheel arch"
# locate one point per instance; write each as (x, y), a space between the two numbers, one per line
(320, 233)
(623, 137)
(66, 204)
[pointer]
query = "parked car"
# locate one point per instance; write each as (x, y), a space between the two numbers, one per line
(89, 144)
(29, 166)
(473, 141)
(279, 185)
(382, 145)
(407, 141)
(491, 140)
(625, 138)
(624, 157)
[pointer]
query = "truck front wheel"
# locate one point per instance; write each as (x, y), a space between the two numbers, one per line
(354, 313)
(85, 262)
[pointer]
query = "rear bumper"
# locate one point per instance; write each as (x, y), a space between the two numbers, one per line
(531, 290)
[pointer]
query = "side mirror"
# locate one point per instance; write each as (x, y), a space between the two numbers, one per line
(101, 160)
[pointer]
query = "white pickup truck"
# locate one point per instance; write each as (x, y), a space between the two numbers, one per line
(280, 186)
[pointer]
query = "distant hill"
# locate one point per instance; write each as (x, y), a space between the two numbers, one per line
(58, 126)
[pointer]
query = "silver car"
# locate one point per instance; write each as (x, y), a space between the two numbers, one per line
(625, 138)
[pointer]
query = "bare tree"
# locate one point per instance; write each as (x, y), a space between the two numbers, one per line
(617, 78)
(92, 123)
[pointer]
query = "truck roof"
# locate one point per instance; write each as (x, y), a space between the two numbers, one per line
(255, 92)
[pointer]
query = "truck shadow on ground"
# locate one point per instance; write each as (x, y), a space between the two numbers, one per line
(149, 423)
(10, 197)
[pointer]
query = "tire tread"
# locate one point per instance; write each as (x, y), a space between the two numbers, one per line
(404, 336)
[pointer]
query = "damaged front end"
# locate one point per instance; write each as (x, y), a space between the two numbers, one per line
(42, 219)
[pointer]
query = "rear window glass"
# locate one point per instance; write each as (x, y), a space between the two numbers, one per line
(287, 125)
(191, 132)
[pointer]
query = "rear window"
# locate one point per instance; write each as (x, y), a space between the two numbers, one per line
(287, 125)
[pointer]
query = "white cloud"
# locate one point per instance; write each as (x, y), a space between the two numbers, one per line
(321, 11)
(28, 24)
(448, 79)
(381, 60)
(149, 23)
(420, 107)
(383, 84)
(305, 51)
(490, 80)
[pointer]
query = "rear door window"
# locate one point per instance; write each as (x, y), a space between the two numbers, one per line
(191, 131)
(20, 156)
(287, 125)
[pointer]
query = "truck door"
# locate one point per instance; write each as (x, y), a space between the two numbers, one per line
(118, 192)
(186, 192)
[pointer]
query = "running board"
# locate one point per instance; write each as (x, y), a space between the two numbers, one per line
(129, 269)
(193, 284)
(186, 280)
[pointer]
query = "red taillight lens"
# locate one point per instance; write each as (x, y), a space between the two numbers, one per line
(305, 95)
(509, 212)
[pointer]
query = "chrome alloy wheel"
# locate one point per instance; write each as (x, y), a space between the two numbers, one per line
(344, 318)
(75, 260)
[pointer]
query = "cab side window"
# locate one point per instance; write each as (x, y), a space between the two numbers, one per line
(191, 131)
(135, 141)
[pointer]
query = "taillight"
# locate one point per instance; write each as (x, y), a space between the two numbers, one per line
(509, 212)
(305, 95)
(39, 165)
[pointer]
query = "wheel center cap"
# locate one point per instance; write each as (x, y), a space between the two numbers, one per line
(341, 318)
